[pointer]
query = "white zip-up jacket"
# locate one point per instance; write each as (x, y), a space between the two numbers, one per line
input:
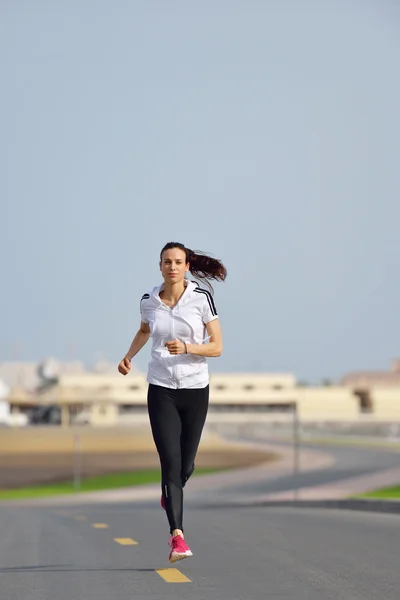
(185, 322)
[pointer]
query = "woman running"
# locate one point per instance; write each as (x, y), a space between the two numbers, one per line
(177, 314)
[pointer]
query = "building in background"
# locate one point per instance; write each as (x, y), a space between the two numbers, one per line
(371, 379)
(103, 397)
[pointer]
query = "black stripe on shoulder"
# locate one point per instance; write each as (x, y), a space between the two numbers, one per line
(209, 298)
(144, 297)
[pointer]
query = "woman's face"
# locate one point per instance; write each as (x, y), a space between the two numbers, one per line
(173, 265)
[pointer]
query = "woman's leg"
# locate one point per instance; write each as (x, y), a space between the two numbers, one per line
(193, 408)
(166, 427)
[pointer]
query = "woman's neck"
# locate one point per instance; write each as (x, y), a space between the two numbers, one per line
(172, 292)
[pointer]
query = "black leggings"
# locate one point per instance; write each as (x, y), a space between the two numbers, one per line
(177, 418)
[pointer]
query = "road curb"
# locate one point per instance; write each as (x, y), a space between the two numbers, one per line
(369, 505)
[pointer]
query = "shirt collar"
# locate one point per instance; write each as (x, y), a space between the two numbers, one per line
(189, 286)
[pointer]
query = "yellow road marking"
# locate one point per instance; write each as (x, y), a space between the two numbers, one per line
(172, 576)
(100, 525)
(125, 541)
(80, 518)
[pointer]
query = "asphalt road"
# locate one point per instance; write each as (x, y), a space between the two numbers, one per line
(240, 553)
(349, 461)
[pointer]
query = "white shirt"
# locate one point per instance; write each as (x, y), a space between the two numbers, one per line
(185, 322)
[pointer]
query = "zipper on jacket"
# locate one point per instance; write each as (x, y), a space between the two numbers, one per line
(174, 368)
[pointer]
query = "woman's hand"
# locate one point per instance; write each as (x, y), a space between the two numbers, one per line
(176, 347)
(124, 366)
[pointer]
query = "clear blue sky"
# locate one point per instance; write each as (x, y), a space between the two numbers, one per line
(266, 133)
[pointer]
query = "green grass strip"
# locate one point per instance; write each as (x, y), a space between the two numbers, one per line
(390, 493)
(92, 484)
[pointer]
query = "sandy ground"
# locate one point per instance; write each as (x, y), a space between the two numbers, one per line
(46, 454)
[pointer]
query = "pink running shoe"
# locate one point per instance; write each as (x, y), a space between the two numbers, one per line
(179, 549)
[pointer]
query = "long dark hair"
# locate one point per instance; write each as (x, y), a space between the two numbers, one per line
(201, 265)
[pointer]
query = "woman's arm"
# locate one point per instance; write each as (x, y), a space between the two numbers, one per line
(210, 349)
(139, 340)
(137, 344)
(213, 348)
